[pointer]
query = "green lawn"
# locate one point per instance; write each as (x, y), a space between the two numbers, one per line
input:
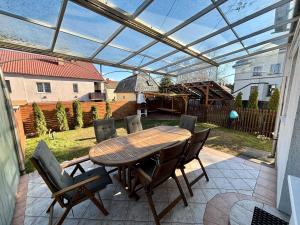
(75, 143)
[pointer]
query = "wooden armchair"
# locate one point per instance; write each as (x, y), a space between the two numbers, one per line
(188, 122)
(68, 190)
(194, 147)
(133, 124)
(153, 173)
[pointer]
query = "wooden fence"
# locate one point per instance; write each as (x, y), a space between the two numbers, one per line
(119, 110)
(255, 121)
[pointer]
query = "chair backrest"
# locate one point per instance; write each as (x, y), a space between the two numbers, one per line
(168, 161)
(188, 122)
(104, 129)
(196, 144)
(133, 124)
(49, 168)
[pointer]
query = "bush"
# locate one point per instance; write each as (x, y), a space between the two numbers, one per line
(165, 82)
(39, 120)
(253, 100)
(107, 111)
(94, 112)
(77, 110)
(238, 100)
(274, 99)
(61, 116)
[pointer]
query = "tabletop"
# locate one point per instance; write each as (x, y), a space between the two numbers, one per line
(127, 150)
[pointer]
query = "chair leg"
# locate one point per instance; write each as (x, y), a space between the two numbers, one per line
(62, 218)
(51, 205)
(152, 207)
(99, 204)
(187, 181)
(180, 190)
(203, 169)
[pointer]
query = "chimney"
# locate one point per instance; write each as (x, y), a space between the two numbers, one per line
(61, 62)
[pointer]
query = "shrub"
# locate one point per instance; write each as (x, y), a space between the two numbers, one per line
(274, 99)
(253, 100)
(165, 82)
(39, 120)
(61, 116)
(107, 111)
(78, 118)
(94, 112)
(238, 100)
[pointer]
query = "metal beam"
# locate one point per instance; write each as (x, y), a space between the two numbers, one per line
(113, 14)
(6, 45)
(239, 22)
(122, 27)
(59, 22)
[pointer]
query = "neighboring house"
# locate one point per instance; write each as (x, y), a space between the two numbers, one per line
(35, 78)
(261, 72)
(109, 89)
(128, 88)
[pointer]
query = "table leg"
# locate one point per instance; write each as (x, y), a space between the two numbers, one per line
(129, 179)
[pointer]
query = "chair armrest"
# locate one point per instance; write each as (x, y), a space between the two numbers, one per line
(75, 186)
(74, 161)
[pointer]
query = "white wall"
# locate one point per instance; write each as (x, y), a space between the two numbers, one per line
(24, 88)
(244, 74)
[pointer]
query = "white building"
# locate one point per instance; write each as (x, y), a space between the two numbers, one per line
(261, 72)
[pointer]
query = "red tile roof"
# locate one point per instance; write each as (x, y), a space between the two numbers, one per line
(40, 65)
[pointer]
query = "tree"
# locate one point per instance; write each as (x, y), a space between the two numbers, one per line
(77, 110)
(165, 82)
(39, 120)
(274, 99)
(253, 100)
(107, 111)
(238, 100)
(94, 112)
(61, 116)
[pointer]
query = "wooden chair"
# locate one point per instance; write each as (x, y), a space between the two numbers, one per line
(194, 147)
(188, 122)
(133, 124)
(67, 190)
(104, 129)
(153, 173)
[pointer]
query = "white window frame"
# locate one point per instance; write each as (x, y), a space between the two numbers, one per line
(275, 68)
(44, 88)
(76, 86)
(257, 71)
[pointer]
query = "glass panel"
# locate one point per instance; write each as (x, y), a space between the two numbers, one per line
(281, 14)
(232, 56)
(189, 68)
(263, 37)
(138, 60)
(157, 65)
(187, 64)
(167, 14)
(225, 50)
(124, 5)
(23, 33)
(158, 50)
(71, 45)
(131, 40)
(215, 41)
(83, 21)
(176, 57)
(205, 25)
(268, 45)
(112, 54)
(43, 10)
(235, 10)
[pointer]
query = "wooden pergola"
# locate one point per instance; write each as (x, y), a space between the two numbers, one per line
(185, 98)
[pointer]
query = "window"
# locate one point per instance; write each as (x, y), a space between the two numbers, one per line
(253, 88)
(257, 71)
(275, 68)
(43, 87)
(7, 82)
(75, 88)
(270, 90)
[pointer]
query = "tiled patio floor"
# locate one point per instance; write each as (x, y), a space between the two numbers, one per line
(227, 174)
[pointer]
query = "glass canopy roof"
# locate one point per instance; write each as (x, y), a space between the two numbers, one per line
(163, 37)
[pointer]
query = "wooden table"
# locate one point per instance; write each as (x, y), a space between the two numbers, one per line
(128, 150)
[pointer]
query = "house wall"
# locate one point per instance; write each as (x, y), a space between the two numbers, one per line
(24, 88)
(9, 170)
(288, 146)
(126, 96)
(110, 94)
(244, 74)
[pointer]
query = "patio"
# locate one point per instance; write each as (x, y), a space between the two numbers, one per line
(231, 179)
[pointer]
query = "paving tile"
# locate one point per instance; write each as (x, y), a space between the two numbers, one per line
(267, 176)
(230, 173)
(197, 212)
(181, 214)
(198, 197)
(214, 173)
(250, 182)
(202, 183)
(138, 211)
(244, 174)
(240, 184)
(210, 193)
(222, 183)
(265, 192)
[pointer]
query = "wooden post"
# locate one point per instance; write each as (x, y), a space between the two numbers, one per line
(206, 95)
(172, 102)
(185, 99)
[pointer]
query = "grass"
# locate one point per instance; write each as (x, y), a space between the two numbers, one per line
(75, 143)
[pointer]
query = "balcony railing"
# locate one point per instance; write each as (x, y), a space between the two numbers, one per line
(96, 96)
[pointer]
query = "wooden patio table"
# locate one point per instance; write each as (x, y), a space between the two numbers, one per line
(126, 151)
